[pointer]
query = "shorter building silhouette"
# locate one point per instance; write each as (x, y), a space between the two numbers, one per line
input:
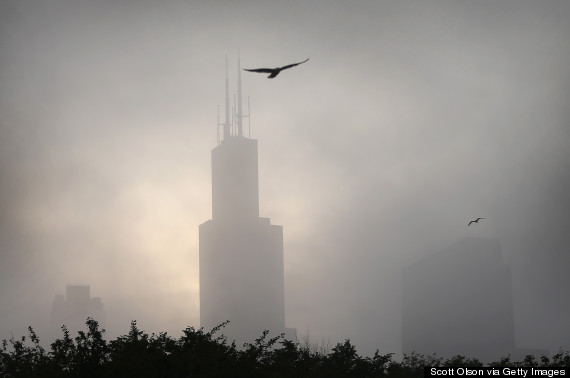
(460, 301)
(74, 309)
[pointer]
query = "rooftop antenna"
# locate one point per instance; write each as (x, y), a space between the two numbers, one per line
(234, 117)
(227, 123)
(218, 127)
(239, 112)
(240, 116)
(248, 119)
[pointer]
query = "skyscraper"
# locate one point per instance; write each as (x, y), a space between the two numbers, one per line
(74, 309)
(241, 254)
(460, 301)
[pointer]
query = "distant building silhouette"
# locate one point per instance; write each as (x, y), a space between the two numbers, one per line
(74, 309)
(460, 301)
(241, 254)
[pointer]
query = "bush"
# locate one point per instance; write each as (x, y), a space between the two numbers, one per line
(203, 354)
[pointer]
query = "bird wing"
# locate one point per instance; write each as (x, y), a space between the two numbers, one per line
(470, 223)
(264, 70)
(293, 65)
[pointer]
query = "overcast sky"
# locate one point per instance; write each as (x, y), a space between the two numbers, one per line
(410, 119)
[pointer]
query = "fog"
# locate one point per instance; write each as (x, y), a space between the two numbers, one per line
(409, 120)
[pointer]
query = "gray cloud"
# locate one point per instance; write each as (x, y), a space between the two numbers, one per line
(408, 120)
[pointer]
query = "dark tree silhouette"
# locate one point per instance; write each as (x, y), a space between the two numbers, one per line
(205, 354)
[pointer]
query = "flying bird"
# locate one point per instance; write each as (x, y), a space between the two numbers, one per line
(474, 221)
(274, 71)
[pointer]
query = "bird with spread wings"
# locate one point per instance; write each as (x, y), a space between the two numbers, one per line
(274, 71)
(474, 221)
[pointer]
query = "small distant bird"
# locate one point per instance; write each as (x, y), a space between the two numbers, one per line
(474, 221)
(274, 71)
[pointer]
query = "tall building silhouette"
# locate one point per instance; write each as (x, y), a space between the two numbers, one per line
(460, 301)
(74, 309)
(241, 254)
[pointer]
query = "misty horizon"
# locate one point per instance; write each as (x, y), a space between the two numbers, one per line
(409, 121)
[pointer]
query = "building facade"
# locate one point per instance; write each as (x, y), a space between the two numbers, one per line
(460, 301)
(73, 309)
(241, 254)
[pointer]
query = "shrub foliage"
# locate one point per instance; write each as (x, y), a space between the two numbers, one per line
(204, 354)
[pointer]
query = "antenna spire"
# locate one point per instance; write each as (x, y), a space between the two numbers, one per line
(233, 124)
(248, 118)
(239, 108)
(218, 127)
(227, 123)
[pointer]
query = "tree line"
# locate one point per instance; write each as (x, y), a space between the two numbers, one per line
(205, 354)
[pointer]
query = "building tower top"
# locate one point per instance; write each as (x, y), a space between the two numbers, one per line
(233, 127)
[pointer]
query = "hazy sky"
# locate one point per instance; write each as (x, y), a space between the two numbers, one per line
(410, 119)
